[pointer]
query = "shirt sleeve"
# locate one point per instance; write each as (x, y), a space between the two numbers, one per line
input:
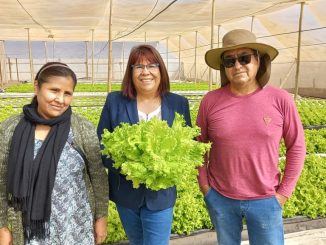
(187, 112)
(96, 170)
(203, 137)
(6, 131)
(105, 123)
(3, 178)
(293, 135)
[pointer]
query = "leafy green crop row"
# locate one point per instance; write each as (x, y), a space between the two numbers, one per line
(102, 87)
(312, 112)
(315, 141)
(309, 197)
(8, 111)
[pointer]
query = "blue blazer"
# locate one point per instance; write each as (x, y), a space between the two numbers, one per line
(118, 109)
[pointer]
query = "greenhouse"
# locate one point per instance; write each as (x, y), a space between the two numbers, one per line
(95, 39)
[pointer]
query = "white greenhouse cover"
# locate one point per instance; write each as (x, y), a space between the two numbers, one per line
(176, 24)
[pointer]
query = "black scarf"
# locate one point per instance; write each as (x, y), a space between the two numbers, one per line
(30, 181)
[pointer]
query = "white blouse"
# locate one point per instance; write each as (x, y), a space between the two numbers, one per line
(156, 113)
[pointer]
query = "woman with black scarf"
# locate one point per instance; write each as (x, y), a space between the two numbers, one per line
(53, 187)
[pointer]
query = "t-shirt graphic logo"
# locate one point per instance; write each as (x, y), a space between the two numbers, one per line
(267, 120)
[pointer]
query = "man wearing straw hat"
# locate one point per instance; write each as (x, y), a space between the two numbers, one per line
(245, 120)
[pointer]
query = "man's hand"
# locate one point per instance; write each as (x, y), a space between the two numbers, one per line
(100, 230)
(5, 236)
(281, 199)
(204, 189)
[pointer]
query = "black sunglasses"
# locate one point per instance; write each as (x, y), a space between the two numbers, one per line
(243, 59)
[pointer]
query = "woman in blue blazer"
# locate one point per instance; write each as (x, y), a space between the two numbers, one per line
(146, 215)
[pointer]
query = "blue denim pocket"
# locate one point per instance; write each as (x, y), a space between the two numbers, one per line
(207, 193)
(277, 202)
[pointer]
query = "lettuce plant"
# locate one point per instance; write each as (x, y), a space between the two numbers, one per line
(154, 154)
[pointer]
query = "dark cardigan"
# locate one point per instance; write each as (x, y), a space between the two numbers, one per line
(94, 175)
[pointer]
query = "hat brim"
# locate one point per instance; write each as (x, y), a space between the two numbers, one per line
(213, 56)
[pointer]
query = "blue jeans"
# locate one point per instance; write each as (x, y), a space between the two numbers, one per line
(263, 216)
(146, 227)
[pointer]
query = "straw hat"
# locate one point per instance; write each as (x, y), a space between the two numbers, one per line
(234, 39)
(241, 38)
